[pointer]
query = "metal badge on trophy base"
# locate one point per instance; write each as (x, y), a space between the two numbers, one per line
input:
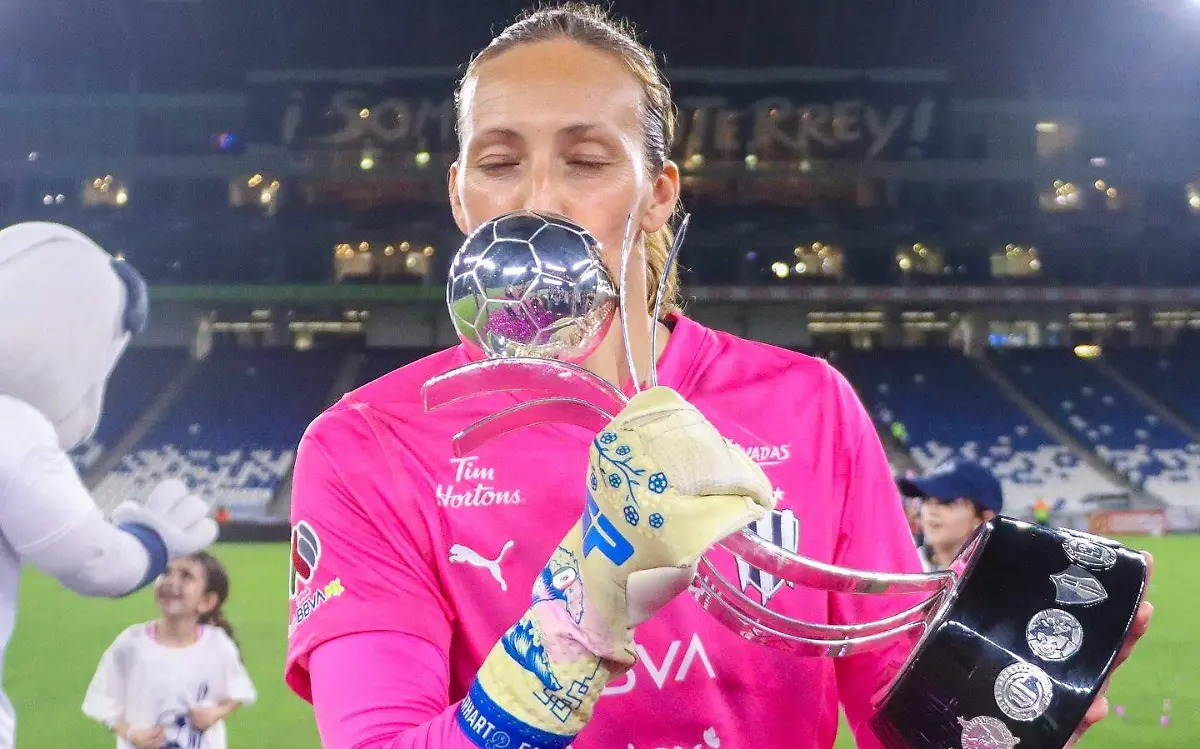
(1011, 651)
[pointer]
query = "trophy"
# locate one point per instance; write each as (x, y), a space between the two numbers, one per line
(1013, 642)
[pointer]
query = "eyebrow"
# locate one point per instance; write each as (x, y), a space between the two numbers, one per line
(572, 132)
(583, 130)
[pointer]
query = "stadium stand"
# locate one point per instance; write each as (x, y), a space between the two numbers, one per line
(1170, 376)
(140, 376)
(950, 409)
(232, 434)
(379, 362)
(1102, 415)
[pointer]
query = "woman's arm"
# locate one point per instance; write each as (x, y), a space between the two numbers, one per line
(369, 634)
(384, 690)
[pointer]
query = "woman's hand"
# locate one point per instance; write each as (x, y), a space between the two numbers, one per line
(663, 487)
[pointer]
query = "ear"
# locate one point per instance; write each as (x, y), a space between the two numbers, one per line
(988, 515)
(663, 198)
(456, 207)
(209, 602)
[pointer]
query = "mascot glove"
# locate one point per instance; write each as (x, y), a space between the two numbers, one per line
(179, 517)
(663, 486)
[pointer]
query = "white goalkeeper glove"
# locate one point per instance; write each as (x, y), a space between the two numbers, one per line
(179, 517)
(663, 486)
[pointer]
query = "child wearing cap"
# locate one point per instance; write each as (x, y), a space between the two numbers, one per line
(959, 495)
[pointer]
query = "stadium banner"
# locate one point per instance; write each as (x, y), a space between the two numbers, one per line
(780, 115)
(1128, 523)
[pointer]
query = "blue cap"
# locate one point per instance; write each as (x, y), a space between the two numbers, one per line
(957, 478)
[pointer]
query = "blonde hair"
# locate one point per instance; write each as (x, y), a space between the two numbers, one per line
(592, 26)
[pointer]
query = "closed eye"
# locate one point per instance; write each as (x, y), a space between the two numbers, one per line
(587, 165)
(498, 168)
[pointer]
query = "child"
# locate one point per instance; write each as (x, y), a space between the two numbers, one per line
(170, 683)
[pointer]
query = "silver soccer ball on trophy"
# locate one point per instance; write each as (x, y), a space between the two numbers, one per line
(531, 284)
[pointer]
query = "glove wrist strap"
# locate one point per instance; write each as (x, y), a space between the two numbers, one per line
(490, 726)
(156, 550)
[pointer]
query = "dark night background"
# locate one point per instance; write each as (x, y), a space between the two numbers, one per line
(1004, 47)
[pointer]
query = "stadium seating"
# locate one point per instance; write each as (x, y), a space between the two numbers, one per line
(140, 376)
(1102, 415)
(1171, 378)
(379, 362)
(950, 409)
(232, 434)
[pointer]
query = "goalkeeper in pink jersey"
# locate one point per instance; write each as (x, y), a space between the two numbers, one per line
(448, 602)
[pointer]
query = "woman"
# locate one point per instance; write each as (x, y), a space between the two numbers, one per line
(412, 624)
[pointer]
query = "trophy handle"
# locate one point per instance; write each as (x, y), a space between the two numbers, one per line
(548, 376)
(672, 256)
(777, 561)
(623, 298)
(735, 599)
(543, 411)
(713, 600)
(660, 292)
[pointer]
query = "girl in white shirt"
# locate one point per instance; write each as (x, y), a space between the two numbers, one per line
(170, 683)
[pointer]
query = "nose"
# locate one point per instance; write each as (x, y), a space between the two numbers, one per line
(544, 189)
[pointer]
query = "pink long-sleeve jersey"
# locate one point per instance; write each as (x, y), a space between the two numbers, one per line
(408, 564)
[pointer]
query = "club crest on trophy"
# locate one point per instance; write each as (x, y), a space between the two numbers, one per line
(1017, 634)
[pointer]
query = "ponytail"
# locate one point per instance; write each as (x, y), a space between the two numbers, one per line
(216, 618)
(658, 246)
(216, 581)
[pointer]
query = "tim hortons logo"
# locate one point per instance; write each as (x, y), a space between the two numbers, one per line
(473, 487)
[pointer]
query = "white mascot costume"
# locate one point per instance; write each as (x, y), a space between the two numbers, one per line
(67, 312)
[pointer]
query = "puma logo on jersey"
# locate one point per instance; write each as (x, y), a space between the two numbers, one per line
(465, 555)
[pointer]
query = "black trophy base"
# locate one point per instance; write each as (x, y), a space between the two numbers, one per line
(1021, 646)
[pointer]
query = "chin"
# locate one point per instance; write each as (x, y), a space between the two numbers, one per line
(935, 539)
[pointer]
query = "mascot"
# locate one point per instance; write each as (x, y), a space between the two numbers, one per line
(67, 312)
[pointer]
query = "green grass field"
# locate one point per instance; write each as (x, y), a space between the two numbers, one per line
(60, 638)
